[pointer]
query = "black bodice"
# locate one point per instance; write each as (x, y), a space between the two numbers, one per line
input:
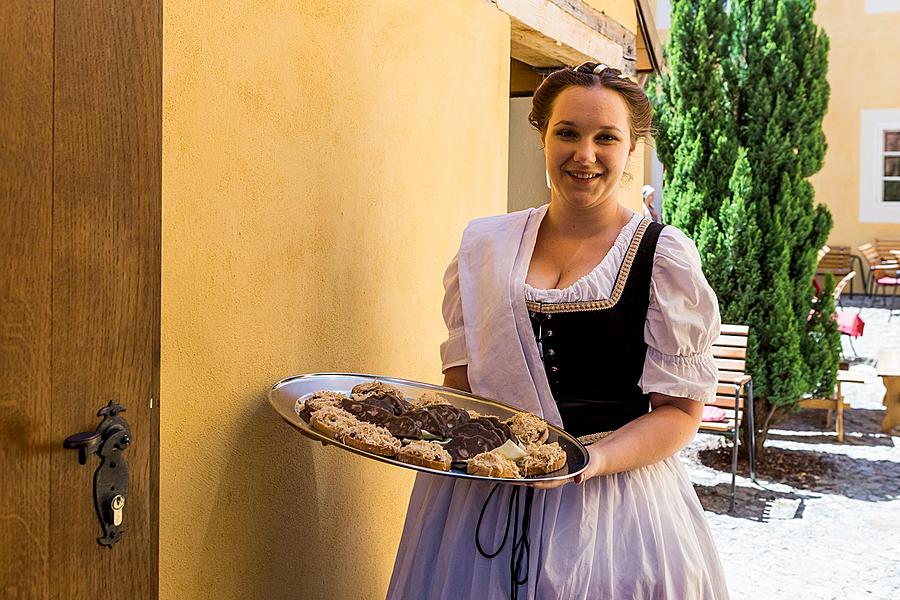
(593, 351)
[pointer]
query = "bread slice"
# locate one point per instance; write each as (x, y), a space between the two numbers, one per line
(332, 421)
(320, 400)
(430, 399)
(529, 428)
(425, 454)
(377, 388)
(543, 459)
(371, 438)
(491, 464)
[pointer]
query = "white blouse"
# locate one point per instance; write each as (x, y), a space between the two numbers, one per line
(682, 318)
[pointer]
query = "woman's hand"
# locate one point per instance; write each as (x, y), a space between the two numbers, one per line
(596, 464)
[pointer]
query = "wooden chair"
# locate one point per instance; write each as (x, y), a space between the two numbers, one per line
(884, 269)
(734, 395)
(880, 265)
(838, 261)
(835, 403)
(887, 248)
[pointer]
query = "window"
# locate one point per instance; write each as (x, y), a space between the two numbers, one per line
(882, 6)
(879, 166)
(890, 189)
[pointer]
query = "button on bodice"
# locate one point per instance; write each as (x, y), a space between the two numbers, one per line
(594, 357)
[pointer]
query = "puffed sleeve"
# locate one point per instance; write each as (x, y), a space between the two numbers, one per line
(453, 349)
(682, 323)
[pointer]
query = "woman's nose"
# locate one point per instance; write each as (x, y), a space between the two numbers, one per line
(585, 152)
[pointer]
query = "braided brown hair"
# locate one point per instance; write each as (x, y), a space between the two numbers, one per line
(640, 113)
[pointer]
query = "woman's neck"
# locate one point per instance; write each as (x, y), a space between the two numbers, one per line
(586, 222)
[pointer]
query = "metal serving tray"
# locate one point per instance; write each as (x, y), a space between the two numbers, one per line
(284, 395)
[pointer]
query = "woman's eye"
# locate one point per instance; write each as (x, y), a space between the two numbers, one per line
(565, 133)
(606, 138)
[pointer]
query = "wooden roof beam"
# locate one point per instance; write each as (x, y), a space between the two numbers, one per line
(552, 33)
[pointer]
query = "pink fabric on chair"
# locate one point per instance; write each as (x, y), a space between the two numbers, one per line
(714, 414)
(888, 281)
(849, 323)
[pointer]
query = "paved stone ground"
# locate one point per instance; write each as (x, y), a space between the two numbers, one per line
(828, 524)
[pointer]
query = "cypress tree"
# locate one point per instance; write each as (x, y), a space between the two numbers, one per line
(696, 129)
(760, 235)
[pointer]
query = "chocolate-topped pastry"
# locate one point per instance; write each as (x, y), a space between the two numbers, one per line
(439, 420)
(366, 411)
(464, 447)
(494, 424)
(397, 406)
(425, 419)
(402, 426)
(377, 388)
(507, 432)
(481, 430)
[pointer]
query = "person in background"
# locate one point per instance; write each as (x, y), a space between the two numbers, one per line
(649, 212)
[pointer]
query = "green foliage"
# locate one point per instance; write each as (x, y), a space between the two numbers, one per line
(823, 341)
(740, 131)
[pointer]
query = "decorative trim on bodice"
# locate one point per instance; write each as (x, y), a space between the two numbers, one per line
(618, 288)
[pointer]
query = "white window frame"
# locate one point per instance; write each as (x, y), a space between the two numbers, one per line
(882, 6)
(872, 207)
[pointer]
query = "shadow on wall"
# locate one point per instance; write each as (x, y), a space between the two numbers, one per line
(293, 519)
(265, 481)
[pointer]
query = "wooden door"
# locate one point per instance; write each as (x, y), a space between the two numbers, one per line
(80, 144)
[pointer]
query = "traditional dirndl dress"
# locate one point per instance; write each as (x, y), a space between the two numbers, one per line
(585, 357)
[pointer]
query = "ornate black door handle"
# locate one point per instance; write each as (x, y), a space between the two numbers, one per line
(110, 439)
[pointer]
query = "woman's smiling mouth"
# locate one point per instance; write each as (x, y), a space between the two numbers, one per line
(583, 175)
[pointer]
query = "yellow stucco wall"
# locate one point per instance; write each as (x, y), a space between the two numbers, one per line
(622, 11)
(321, 160)
(863, 57)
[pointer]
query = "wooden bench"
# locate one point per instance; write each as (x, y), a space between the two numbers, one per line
(734, 395)
(836, 403)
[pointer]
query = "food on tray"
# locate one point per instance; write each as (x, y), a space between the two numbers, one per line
(332, 421)
(431, 432)
(371, 438)
(543, 459)
(430, 399)
(492, 464)
(511, 450)
(305, 406)
(425, 454)
(323, 399)
(378, 389)
(482, 434)
(530, 428)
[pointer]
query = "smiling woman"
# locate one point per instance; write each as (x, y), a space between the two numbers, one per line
(602, 322)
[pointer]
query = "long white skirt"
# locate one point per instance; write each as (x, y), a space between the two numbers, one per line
(637, 535)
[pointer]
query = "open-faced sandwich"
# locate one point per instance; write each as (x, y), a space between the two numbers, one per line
(425, 454)
(429, 431)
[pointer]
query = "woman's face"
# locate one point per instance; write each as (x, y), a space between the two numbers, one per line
(587, 145)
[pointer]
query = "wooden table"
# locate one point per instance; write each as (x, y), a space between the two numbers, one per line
(889, 371)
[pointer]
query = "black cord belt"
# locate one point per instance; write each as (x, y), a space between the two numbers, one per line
(521, 546)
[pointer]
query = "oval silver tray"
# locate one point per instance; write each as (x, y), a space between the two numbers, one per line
(284, 395)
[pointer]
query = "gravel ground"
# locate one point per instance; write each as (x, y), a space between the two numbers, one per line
(824, 520)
